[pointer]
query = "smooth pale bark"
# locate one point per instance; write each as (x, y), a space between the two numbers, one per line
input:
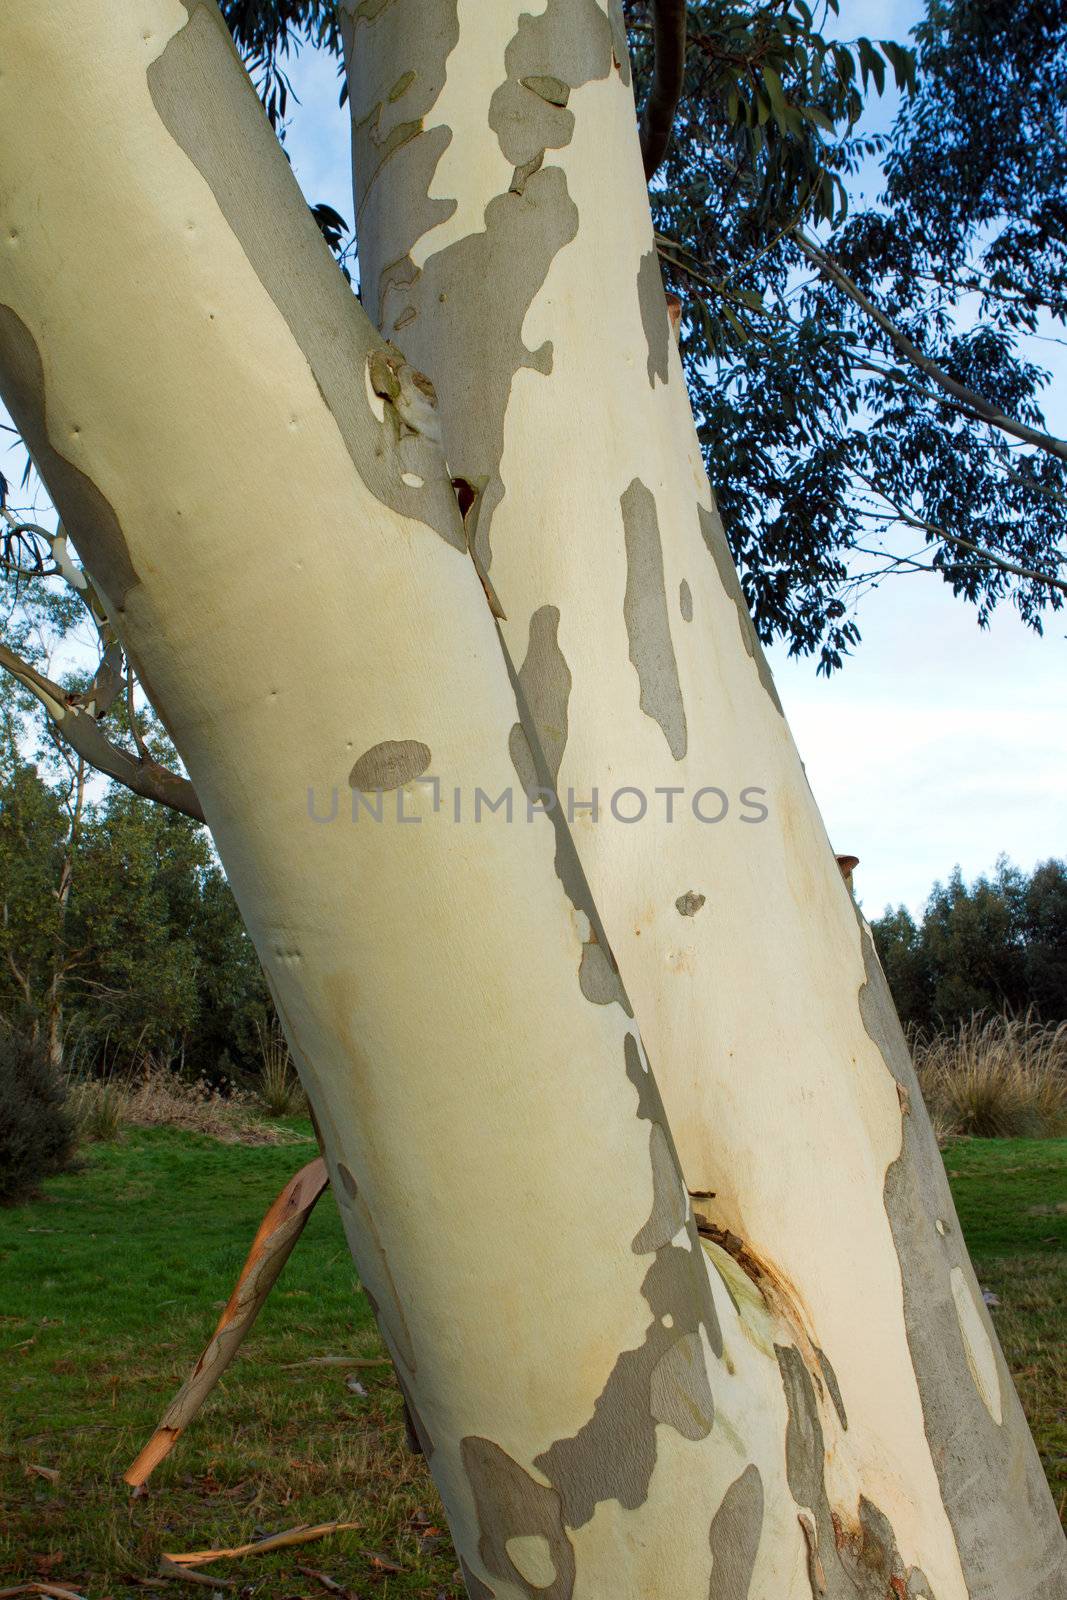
(506, 245)
(255, 489)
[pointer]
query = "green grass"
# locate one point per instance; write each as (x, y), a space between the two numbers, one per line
(111, 1285)
(1011, 1195)
(112, 1282)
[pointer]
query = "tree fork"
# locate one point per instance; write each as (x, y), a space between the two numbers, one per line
(254, 483)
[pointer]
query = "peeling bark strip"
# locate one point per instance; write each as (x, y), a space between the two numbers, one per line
(271, 1248)
(647, 623)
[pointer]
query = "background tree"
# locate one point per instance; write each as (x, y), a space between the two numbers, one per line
(997, 944)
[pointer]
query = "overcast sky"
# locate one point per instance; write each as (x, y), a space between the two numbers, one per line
(939, 742)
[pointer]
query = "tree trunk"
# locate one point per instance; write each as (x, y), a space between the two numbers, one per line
(254, 484)
(506, 244)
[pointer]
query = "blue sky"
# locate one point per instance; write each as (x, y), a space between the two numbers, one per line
(939, 742)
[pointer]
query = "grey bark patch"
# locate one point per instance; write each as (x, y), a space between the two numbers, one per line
(734, 1537)
(654, 319)
(545, 681)
(508, 261)
(205, 100)
(522, 759)
(649, 1103)
(567, 45)
(510, 1504)
(689, 903)
(375, 1272)
(598, 977)
(613, 1456)
(390, 764)
(715, 539)
(647, 622)
(669, 1204)
(685, 601)
(834, 1388)
(680, 1393)
(536, 744)
(994, 1490)
(87, 515)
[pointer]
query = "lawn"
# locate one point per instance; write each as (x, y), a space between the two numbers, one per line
(111, 1282)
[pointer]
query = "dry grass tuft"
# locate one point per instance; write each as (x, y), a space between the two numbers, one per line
(995, 1077)
(158, 1098)
(279, 1086)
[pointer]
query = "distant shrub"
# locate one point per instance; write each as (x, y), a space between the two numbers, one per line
(995, 1076)
(37, 1136)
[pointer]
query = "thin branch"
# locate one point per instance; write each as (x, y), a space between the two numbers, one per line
(913, 520)
(81, 731)
(668, 75)
(983, 409)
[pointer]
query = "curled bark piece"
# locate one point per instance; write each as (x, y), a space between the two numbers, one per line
(657, 119)
(271, 1248)
(54, 1589)
(303, 1533)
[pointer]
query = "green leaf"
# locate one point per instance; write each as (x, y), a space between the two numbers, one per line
(871, 62)
(774, 89)
(902, 62)
(817, 115)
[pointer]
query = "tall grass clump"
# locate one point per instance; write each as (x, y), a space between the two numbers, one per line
(98, 1107)
(279, 1086)
(995, 1076)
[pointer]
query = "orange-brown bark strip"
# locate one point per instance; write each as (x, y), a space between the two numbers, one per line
(271, 1248)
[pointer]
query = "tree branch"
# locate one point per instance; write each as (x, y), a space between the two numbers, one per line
(982, 408)
(668, 74)
(80, 729)
(937, 532)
